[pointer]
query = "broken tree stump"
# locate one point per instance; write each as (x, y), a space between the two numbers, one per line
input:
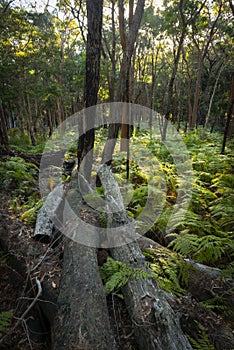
(46, 216)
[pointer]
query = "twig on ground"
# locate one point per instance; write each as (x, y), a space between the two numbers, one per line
(22, 318)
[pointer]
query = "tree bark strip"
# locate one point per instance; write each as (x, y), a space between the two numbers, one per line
(92, 77)
(155, 324)
(82, 320)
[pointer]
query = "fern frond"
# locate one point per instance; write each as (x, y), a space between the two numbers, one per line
(202, 342)
(185, 244)
(167, 269)
(5, 320)
(116, 274)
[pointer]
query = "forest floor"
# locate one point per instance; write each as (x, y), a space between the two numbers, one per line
(20, 254)
(24, 259)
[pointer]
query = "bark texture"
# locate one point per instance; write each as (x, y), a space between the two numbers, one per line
(92, 77)
(82, 320)
(155, 324)
(47, 213)
(128, 41)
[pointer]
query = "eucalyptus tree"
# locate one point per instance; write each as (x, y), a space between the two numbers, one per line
(206, 58)
(149, 57)
(17, 50)
(203, 32)
(128, 39)
(41, 68)
(179, 16)
(92, 78)
(110, 46)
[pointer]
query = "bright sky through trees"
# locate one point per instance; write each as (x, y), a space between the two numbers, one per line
(41, 4)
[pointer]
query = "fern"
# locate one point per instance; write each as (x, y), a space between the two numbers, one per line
(206, 249)
(211, 248)
(220, 305)
(202, 342)
(116, 275)
(17, 173)
(167, 269)
(184, 243)
(5, 320)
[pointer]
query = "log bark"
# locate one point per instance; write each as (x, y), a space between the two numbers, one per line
(46, 216)
(82, 320)
(203, 282)
(155, 324)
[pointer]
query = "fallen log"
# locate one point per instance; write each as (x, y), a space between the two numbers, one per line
(82, 320)
(46, 217)
(155, 324)
(203, 282)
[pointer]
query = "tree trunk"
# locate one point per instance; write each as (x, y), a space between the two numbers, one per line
(202, 52)
(128, 43)
(220, 69)
(193, 119)
(92, 77)
(229, 116)
(155, 324)
(172, 80)
(203, 282)
(3, 129)
(82, 320)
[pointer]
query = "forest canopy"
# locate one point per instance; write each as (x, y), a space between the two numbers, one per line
(182, 63)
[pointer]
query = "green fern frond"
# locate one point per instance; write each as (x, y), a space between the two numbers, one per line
(220, 305)
(185, 244)
(202, 342)
(5, 320)
(167, 269)
(205, 249)
(116, 274)
(224, 181)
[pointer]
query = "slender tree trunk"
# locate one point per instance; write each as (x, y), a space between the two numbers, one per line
(3, 129)
(92, 77)
(153, 75)
(196, 95)
(28, 113)
(128, 43)
(229, 116)
(202, 52)
(213, 94)
(174, 71)
(171, 84)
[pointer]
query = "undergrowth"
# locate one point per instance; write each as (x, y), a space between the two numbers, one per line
(168, 269)
(19, 178)
(116, 275)
(5, 321)
(202, 342)
(205, 233)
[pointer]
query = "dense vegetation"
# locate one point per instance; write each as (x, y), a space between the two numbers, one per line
(205, 233)
(182, 67)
